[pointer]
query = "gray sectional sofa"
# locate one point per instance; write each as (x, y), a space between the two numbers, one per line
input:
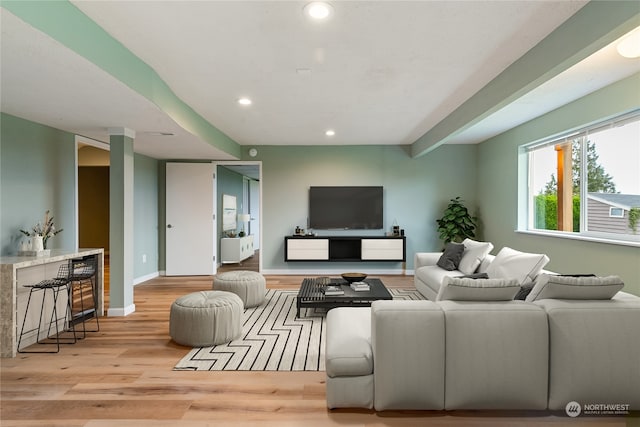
(423, 355)
(573, 340)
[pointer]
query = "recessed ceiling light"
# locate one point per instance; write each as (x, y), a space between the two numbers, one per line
(157, 133)
(318, 10)
(244, 101)
(330, 132)
(629, 47)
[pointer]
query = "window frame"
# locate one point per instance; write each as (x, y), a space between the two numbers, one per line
(611, 215)
(526, 206)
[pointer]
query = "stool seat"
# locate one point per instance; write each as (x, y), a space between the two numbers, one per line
(250, 286)
(206, 318)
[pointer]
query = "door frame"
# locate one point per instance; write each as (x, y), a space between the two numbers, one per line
(257, 163)
(79, 139)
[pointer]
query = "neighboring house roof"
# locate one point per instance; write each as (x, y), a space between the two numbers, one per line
(625, 201)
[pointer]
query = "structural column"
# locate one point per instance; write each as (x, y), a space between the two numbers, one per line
(121, 222)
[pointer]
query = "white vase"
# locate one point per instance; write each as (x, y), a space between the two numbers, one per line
(37, 243)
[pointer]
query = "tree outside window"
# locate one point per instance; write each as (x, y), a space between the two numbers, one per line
(611, 154)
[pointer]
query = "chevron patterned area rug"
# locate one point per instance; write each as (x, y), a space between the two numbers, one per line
(273, 339)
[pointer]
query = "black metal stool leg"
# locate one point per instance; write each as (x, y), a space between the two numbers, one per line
(55, 285)
(55, 319)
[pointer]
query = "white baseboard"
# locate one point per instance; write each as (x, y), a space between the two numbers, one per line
(143, 279)
(120, 312)
(334, 272)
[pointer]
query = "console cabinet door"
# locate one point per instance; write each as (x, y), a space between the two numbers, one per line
(383, 249)
(308, 249)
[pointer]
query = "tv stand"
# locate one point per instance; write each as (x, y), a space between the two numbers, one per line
(345, 248)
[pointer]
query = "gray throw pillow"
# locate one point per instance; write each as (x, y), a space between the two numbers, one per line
(475, 276)
(524, 292)
(451, 256)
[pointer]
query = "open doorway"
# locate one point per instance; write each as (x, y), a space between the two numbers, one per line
(243, 181)
(93, 165)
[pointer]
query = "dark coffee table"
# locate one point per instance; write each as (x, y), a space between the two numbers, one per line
(311, 294)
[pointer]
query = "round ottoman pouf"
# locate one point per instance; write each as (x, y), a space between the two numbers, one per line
(206, 318)
(250, 286)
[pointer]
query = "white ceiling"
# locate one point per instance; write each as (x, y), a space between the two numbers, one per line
(379, 72)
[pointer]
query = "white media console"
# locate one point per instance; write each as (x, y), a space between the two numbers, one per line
(345, 248)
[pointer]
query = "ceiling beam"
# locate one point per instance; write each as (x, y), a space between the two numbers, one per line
(64, 22)
(590, 29)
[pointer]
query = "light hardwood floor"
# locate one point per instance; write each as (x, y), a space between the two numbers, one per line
(123, 375)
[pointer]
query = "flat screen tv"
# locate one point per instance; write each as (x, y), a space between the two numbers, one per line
(345, 208)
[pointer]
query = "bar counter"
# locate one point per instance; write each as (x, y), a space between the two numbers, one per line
(17, 271)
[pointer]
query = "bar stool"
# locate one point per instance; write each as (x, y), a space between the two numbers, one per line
(56, 285)
(83, 273)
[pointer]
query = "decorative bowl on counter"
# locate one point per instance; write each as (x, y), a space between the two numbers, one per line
(354, 277)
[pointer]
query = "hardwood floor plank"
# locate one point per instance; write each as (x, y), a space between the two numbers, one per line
(22, 391)
(203, 391)
(97, 409)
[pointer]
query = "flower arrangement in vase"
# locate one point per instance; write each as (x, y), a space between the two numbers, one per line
(45, 230)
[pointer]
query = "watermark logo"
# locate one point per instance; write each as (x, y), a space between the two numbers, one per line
(573, 409)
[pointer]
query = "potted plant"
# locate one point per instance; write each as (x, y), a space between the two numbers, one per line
(43, 230)
(456, 223)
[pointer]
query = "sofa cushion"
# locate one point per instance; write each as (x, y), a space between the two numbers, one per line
(496, 355)
(583, 288)
(522, 266)
(474, 253)
(451, 256)
(465, 289)
(348, 348)
(432, 276)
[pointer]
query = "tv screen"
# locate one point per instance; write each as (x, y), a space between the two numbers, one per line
(345, 208)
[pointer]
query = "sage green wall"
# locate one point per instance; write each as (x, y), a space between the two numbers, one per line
(415, 193)
(145, 216)
(498, 188)
(37, 173)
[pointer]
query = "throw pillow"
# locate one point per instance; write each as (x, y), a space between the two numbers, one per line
(566, 287)
(464, 289)
(475, 276)
(474, 253)
(524, 292)
(522, 266)
(451, 256)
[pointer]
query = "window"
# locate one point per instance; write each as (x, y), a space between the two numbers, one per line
(616, 212)
(587, 182)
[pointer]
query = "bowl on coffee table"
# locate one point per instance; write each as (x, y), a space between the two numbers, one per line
(354, 277)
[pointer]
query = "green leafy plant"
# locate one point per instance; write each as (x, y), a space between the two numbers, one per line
(456, 223)
(634, 216)
(45, 229)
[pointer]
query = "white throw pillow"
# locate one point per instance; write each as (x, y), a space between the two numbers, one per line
(512, 264)
(474, 253)
(566, 287)
(465, 289)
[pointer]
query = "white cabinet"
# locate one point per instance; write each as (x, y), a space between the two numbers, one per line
(345, 248)
(236, 249)
(307, 249)
(382, 249)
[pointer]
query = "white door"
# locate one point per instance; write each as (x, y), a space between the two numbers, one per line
(190, 208)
